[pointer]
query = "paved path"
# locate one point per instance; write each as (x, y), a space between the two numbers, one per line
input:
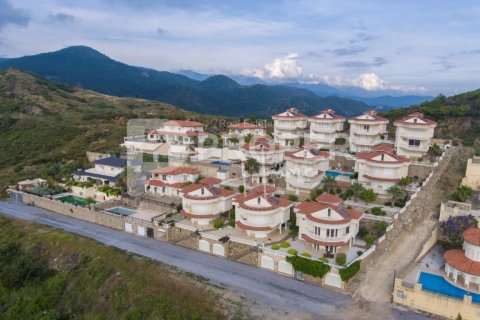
(276, 291)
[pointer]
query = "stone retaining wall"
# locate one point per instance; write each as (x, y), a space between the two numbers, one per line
(420, 171)
(98, 217)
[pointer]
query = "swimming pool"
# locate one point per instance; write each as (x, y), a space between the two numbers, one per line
(437, 284)
(121, 211)
(221, 163)
(336, 173)
(76, 200)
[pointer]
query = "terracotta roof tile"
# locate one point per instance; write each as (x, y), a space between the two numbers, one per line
(472, 236)
(175, 170)
(457, 259)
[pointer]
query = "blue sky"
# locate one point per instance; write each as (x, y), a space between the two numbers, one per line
(425, 47)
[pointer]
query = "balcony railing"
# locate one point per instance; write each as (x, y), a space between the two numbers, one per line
(344, 238)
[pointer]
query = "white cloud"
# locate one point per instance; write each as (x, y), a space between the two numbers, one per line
(368, 81)
(286, 67)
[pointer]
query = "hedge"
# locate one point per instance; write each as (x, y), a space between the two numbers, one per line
(350, 271)
(312, 267)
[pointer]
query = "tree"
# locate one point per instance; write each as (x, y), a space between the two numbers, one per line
(405, 181)
(380, 227)
(252, 166)
(357, 189)
(451, 231)
(248, 138)
(397, 193)
(329, 183)
(368, 195)
(462, 194)
(234, 140)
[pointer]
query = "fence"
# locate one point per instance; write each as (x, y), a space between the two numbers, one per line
(248, 242)
(185, 227)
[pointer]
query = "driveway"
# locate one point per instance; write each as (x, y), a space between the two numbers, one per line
(275, 291)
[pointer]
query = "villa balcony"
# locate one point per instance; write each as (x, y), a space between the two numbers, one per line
(303, 185)
(321, 139)
(320, 129)
(344, 238)
(287, 135)
(420, 148)
(365, 142)
(368, 132)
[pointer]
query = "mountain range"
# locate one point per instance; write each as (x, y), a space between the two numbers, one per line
(217, 94)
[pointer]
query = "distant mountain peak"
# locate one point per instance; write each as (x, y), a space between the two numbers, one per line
(81, 51)
(221, 81)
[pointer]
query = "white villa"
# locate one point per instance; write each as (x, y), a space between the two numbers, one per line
(413, 135)
(327, 225)
(269, 155)
(240, 130)
(203, 203)
(381, 168)
(289, 127)
(325, 128)
(305, 169)
(106, 170)
(168, 181)
(463, 265)
(259, 212)
(180, 132)
(366, 131)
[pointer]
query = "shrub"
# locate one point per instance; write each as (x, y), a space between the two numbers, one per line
(340, 141)
(359, 253)
(350, 271)
(292, 197)
(275, 247)
(341, 259)
(368, 239)
(380, 227)
(241, 188)
(362, 231)
(284, 245)
(218, 223)
(231, 222)
(306, 254)
(452, 230)
(292, 251)
(314, 268)
(179, 207)
(323, 259)
(378, 211)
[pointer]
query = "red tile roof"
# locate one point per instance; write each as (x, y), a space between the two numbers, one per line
(264, 188)
(216, 191)
(246, 125)
(325, 113)
(373, 114)
(159, 183)
(416, 115)
(292, 113)
(210, 181)
(457, 259)
(472, 236)
(184, 123)
(175, 170)
(370, 155)
(308, 208)
(266, 192)
(329, 198)
(317, 154)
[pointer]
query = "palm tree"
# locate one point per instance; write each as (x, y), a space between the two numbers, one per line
(329, 183)
(357, 189)
(397, 193)
(251, 166)
(248, 138)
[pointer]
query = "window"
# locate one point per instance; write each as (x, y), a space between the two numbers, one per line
(347, 230)
(414, 143)
(366, 127)
(258, 200)
(164, 177)
(316, 247)
(317, 231)
(203, 191)
(329, 212)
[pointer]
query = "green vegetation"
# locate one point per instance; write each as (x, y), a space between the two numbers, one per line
(311, 267)
(49, 274)
(48, 138)
(218, 223)
(396, 192)
(462, 194)
(241, 188)
(82, 184)
(110, 191)
(340, 141)
(285, 245)
(329, 183)
(458, 116)
(275, 247)
(368, 195)
(350, 271)
(378, 211)
(306, 254)
(292, 197)
(340, 259)
(252, 166)
(380, 227)
(292, 251)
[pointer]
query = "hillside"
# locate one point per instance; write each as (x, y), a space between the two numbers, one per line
(50, 274)
(84, 67)
(43, 123)
(458, 116)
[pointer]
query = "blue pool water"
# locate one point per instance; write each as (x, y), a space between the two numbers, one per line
(121, 211)
(220, 163)
(336, 173)
(437, 284)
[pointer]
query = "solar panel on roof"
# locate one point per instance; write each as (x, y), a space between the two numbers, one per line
(345, 212)
(215, 190)
(274, 200)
